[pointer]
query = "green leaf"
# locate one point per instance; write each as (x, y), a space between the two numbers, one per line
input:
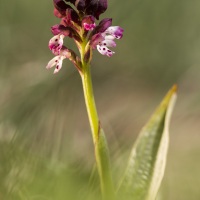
(147, 161)
(103, 165)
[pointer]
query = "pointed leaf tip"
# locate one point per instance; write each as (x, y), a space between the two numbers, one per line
(147, 161)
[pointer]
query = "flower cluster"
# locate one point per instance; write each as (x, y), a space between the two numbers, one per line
(78, 22)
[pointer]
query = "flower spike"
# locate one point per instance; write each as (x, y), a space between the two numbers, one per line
(78, 21)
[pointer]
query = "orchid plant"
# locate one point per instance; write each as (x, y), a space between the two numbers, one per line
(145, 169)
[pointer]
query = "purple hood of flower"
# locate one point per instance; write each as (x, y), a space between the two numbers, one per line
(85, 7)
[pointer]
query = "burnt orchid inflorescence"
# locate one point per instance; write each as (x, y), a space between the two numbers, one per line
(78, 22)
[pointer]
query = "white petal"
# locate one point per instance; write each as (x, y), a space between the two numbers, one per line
(112, 29)
(56, 61)
(57, 37)
(58, 67)
(104, 50)
(52, 62)
(109, 37)
(108, 43)
(116, 31)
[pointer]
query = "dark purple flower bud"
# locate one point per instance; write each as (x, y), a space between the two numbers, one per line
(57, 13)
(71, 1)
(103, 25)
(70, 18)
(60, 29)
(61, 6)
(80, 5)
(96, 7)
(66, 31)
(90, 7)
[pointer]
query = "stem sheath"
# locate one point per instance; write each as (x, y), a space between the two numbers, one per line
(99, 140)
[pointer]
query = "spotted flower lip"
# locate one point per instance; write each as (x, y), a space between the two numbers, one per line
(106, 39)
(58, 59)
(104, 50)
(109, 42)
(56, 43)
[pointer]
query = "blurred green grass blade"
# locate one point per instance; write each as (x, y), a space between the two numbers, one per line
(148, 157)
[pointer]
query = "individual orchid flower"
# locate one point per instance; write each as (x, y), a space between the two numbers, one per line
(58, 60)
(56, 43)
(104, 37)
(88, 23)
(89, 27)
(111, 33)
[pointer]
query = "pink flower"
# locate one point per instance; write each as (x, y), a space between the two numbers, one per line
(115, 31)
(88, 23)
(56, 43)
(111, 33)
(58, 60)
(89, 27)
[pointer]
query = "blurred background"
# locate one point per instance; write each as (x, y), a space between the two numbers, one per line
(46, 151)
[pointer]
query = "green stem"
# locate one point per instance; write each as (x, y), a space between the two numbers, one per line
(99, 140)
(90, 102)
